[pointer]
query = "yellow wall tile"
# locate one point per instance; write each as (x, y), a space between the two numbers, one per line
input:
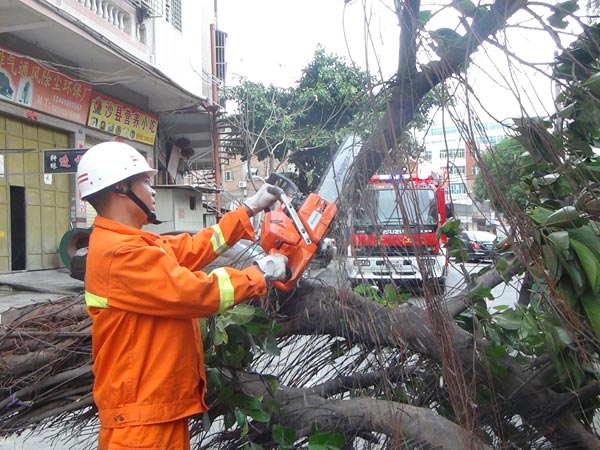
(14, 127)
(34, 230)
(33, 197)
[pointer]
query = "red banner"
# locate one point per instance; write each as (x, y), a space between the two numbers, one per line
(25, 82)
(121, 119)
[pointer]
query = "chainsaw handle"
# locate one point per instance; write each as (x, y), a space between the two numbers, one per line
(275, 190)
(288, 271)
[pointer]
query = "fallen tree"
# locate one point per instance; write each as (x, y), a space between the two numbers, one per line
(47, 375)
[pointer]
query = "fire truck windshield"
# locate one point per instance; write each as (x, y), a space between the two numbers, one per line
(397, 207)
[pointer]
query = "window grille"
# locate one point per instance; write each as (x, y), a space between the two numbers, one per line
(173, 13)
(458, 188)
(220, 38)
(148, 8)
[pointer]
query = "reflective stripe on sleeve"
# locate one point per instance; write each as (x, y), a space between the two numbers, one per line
(95, 301)
(219, 244)
(226, 290)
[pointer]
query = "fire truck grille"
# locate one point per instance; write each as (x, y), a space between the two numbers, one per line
(365, 252)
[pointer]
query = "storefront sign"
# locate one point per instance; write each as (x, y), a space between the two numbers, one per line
(120, 119)
(62, 161)
(25, 82)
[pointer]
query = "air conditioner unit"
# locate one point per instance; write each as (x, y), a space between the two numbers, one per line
(242, 184)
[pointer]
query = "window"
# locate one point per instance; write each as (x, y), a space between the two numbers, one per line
(452, 153)
(457, 170)
(253, 172)
(220, 38)
(458, 188)
(173, 13)
(229, 175)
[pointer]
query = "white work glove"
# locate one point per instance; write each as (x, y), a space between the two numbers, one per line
(273, 266)
(264, 198)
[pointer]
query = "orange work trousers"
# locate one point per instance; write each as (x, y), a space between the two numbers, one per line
(161, 436)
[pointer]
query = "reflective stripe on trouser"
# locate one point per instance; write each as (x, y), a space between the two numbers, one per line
(164, 436)
(95, 301)
(226, 290)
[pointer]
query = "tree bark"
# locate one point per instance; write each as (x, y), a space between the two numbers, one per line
(315, 309)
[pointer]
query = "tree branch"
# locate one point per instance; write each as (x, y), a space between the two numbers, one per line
(313, 306)
(301, 409)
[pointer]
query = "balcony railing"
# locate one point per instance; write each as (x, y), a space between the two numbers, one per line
(116, 16)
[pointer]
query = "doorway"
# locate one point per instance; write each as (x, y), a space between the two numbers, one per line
(18, 242)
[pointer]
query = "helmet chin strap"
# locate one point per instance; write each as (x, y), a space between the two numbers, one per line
(151, 216)
(129, 193)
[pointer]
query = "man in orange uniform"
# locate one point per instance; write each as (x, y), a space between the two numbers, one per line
(144, 292)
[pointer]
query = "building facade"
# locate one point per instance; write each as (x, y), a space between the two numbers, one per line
(449, 148)
(74, 73)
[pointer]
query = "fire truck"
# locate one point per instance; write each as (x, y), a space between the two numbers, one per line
(393, 231)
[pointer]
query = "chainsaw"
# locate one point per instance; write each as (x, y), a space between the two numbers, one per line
(299, 225)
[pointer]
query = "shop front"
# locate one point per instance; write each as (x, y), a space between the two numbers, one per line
(47, 119)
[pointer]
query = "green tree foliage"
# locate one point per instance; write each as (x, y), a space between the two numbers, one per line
(266, 116)
(498, 177)
(305, 124)
(333, 96)
(558, 235)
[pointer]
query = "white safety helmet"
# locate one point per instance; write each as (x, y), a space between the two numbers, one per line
(108, 163)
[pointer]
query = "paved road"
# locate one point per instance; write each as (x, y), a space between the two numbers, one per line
(504, 294)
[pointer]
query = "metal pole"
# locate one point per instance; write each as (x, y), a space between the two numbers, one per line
(214, 112)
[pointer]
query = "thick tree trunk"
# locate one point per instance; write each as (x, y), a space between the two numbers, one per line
(316, 309)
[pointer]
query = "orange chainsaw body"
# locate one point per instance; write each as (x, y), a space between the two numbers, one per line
(280, 235)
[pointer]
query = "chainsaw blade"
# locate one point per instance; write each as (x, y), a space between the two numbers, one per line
(339, 168)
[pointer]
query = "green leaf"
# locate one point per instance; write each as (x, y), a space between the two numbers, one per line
(540, 214)
(228, 419)
(451, 228)
(593, 83)
(465, 7)
(240, 417)
(326, 441)
(253, 446)
(587, 237)
(259, 416)
(251, 406)
(552, 262)
(285, 437)
(220, 335)
(577, 374)
(561, 11)
(575, 272)
(242, 314)
(482, 293)
(567, 291)
(591, 306)
(424, 17)
(557, 21)
(589, 262)
(560, 240)
(563, 336)
(270, 346)
(565, 217)
(509, 320)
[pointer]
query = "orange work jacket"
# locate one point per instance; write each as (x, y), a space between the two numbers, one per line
(144, 292)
